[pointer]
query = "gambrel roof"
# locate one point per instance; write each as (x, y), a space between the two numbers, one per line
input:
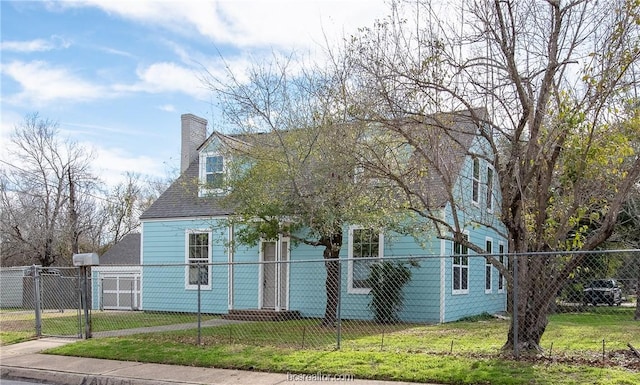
(446, 150)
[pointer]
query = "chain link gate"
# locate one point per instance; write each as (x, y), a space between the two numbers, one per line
(38, 301)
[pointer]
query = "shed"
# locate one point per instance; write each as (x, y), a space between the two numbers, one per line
(116, 282)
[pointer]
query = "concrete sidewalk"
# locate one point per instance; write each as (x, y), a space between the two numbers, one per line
(24, 361)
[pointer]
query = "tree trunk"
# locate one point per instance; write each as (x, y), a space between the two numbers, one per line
(47, 258)
(332, 283)
(536, 295)
(532, 323)
(73, 215)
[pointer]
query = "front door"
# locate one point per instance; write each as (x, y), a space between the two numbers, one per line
(275, 274)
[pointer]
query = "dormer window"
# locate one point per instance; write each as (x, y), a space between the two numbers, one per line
(212, 174)
(214, 171)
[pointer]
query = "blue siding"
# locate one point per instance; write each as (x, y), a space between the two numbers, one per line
(307, 281)
(245, 277)
(163, 287)
(476, 301)
(95, 290)
(422, 293)
(480, 224)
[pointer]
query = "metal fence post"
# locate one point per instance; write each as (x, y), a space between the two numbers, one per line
(339, 308)
(199, 304)
(79, 302)
(516, 351)
(84, 270)
(36, 300)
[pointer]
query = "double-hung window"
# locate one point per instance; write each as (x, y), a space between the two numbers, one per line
(460, 268)
(488, 268)
(214, 172)
(198, 258)
(475, 181)
(489, 188)
(503, 262)
(365, 248)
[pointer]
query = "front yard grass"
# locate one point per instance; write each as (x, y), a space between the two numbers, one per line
(19, 326)
(466, 352)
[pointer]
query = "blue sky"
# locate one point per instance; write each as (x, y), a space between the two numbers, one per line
(116, 75)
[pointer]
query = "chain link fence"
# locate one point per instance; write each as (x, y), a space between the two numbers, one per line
(36, 301)
(460, 304)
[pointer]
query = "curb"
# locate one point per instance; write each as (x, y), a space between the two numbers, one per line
(63, 378)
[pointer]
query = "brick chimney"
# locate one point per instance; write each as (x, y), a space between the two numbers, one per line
(194, 133)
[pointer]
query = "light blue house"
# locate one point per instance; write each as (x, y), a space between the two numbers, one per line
(186, 237)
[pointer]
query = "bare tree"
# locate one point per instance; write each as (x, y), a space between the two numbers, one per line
(554, 78)
(124, 206)
(293, 167)
(44, 190)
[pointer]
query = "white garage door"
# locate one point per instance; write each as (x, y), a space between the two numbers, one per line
(120, 291)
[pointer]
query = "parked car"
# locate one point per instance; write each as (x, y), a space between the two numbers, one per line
(604, 291)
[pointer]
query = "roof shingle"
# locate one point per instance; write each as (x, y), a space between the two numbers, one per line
(181, 200)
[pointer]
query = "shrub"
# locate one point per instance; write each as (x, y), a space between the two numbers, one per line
(386, 280)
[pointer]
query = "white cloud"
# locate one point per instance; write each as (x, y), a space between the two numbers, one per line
(108, 163)
(259, 25)
(287, 23)
(8, 121)
(37, 45)
(111, 164)
(279, 23)
(43, 83)
(166, 77)
(167, 107)
(73, 129)
(113, 51)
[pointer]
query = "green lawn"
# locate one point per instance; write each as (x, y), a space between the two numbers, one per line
(19, 326)
(585, 331)
(466, 352)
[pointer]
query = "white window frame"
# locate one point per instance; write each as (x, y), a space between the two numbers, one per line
(350, 288)
(488, 267)
(475, 180)
(491, 176)
(204, 188)
(188, 261)
(502, 281)
(461, 266)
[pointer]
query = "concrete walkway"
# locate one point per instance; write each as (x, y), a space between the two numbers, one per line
(24, 361)
(165, 328)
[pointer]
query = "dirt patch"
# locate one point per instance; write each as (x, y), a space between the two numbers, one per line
(625, 359)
